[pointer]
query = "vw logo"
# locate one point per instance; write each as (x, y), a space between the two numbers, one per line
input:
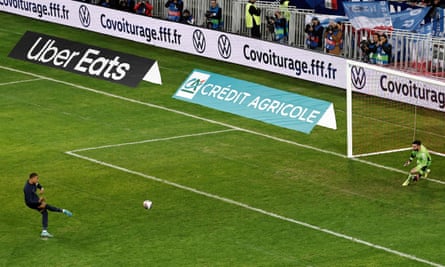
(199, 41)
(358, 77)
(224, 46)
(84, 16)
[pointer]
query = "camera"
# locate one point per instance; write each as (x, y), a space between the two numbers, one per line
(364, 45)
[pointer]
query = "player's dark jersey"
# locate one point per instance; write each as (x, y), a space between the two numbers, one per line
(31, 197)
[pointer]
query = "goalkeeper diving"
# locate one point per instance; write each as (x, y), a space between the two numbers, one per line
(423, 163)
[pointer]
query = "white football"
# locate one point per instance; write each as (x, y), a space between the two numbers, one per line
(147, 204)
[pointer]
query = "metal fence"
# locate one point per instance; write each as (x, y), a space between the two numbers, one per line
(411, 52)
(233, 14)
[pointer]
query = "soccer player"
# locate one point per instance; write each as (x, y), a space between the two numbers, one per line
(33, 201)
(421, 154)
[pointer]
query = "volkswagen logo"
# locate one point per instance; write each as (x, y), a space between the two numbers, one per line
(358, 77)
(199, 41)
(84, 16)
(224, 46)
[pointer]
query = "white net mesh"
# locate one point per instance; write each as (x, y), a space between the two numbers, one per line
(390, 109)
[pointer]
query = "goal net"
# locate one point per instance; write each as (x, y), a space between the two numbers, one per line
(388, 109)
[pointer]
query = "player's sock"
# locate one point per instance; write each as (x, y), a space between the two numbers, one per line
(408, 180)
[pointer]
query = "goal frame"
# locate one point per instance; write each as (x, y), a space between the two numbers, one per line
(389, 71)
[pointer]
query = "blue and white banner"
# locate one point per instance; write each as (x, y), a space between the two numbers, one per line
(409, 19)
(439, 22)
(368, 15)
(255, 101)
(425, 28)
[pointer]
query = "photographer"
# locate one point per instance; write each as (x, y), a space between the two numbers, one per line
(187, 17)
(333, 39)
(214, 16)
(276, 26)
(369, 48)
(384, 51)
(175, 8)
(143, 8)
(314, 31)
(364, 47)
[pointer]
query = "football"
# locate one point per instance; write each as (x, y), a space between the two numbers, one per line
(147, 204)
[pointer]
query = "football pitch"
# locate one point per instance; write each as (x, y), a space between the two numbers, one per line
(226, 190)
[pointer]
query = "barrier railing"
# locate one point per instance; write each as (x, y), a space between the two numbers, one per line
(411, 52)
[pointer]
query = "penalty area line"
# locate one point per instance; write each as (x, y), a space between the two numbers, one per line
(258, 210)
(21, 81)
(152, 140)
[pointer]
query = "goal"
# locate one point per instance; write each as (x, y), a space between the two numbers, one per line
(388, 109)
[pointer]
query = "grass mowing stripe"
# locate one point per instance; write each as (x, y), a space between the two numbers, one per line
(245, 206)
(214, 122)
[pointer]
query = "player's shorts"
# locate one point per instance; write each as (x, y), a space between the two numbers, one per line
(422, 168)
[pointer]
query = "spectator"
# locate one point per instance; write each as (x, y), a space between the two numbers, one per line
(105, 3)
(333, 39)
(384, 51)
(214, 16)
(253, 19)
(175, 8)
(284, 8)
(432, 13)
(277, 27)
(187, 17)
(126, 5)
(314, 31)
(143, 8)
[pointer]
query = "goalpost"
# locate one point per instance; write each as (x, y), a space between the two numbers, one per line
(388, 109)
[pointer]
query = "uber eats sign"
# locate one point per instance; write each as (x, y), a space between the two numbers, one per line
(251, 100)
(85, 59)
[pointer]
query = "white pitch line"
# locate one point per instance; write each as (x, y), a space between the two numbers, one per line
(21, 81)
(211, 121)
(152, 140)
(264, 212)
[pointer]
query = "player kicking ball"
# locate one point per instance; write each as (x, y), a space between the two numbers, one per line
(422, 169)
(38, 203)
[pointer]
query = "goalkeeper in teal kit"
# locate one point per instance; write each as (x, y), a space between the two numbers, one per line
(422, 169)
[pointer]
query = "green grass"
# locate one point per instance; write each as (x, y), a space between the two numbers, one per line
(227, 198)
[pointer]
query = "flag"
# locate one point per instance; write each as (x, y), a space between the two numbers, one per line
(331, 4)
(368, 15)
(410, 19)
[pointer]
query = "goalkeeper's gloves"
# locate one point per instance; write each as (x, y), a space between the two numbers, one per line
(407, 163)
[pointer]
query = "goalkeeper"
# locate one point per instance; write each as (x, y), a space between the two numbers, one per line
(421, 154)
